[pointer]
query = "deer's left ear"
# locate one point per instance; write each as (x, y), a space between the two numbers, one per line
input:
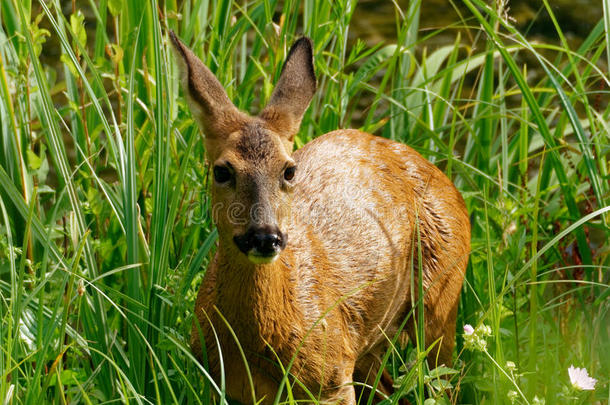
(293, 91)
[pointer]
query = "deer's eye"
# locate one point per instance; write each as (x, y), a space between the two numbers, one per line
(289, 173)
(221, 174)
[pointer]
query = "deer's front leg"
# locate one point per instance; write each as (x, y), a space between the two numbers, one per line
(344, 393)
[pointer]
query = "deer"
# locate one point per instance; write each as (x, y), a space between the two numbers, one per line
(318, 249)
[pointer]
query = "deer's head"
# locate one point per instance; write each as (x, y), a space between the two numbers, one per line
(251, 156)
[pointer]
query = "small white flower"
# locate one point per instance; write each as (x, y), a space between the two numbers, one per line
(538, 401)
(511, 366)
(474, 338)
(579, 377)
(485, 330)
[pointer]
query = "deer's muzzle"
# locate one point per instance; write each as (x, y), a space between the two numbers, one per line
(261, 244)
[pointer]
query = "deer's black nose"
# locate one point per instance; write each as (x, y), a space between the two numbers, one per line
(266, 244)
(263, 241)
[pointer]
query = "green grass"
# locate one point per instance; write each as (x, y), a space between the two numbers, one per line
(104, 210)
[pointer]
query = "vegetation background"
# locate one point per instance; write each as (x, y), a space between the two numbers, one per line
(105, 230)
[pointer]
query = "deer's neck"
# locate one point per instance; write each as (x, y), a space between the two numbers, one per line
(257, 300)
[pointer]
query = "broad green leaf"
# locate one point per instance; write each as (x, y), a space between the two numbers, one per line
(77, 23)
(441, 371)
(39, 35)
(441, 385)
(34, 161)
(68, 62)
(115, 6)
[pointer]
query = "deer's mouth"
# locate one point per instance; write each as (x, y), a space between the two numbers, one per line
(258, 258)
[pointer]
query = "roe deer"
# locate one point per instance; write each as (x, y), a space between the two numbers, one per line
(314, 260)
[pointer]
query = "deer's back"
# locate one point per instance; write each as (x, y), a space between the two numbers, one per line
(356, 204)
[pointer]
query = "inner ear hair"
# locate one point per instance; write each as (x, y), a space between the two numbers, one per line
(293, 91)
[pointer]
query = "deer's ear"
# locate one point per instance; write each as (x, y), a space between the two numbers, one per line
(207, 99)
(293, 91)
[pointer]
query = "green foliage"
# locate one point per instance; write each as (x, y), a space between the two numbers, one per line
(105, 228)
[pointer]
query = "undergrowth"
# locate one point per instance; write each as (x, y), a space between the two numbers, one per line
(105, 227)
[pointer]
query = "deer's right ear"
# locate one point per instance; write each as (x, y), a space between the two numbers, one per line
(207, 99)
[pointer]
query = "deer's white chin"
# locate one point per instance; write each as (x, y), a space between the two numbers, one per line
(257, 259)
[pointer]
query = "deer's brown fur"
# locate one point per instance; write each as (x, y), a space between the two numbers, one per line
(342, 285)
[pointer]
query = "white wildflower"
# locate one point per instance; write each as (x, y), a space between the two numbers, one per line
(579, 377)
(485, 330)
(538, 401)
(474, 338)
